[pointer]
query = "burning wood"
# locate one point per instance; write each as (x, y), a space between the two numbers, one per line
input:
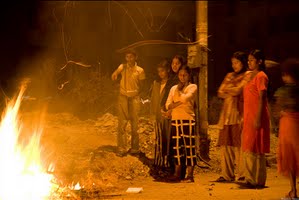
(21, 165)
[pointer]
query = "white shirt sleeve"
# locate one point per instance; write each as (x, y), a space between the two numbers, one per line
(170, 96)
(141, 74)
(188, 93)
(120, 68)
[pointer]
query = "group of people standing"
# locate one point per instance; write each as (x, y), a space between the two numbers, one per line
(172, 103)
(244, 136)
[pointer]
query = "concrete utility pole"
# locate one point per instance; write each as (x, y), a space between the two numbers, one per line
(198, 57)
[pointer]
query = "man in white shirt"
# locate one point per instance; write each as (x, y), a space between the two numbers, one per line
(132, 77)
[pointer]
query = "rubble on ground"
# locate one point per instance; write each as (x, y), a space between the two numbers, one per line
(81, 157)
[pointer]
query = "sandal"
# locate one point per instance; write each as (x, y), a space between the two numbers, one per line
(221, 179)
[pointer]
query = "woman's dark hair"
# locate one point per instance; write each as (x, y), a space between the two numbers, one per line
(164, 64)
(259, 55)
(182, 61)
(180, 58)
(239, 55)
(291, 67)
(187, 68)
(131, 51)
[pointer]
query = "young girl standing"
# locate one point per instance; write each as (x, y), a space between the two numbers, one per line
(176, 62)
(231, 117)
(161, 118)
(256, 127)
(287, 98)
(180, 101)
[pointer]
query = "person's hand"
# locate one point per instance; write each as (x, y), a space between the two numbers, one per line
(163, 113)
(114, 76)
(166, 114)
(171, 106)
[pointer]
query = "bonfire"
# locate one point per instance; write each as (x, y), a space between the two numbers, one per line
(22, 173)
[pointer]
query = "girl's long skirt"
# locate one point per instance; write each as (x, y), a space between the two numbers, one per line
(288, 146)
(183, 142)
(162, 141)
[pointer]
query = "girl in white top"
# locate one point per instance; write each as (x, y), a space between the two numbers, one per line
(180, 102)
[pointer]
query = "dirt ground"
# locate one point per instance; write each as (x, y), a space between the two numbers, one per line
(84, 152)
(204, 189)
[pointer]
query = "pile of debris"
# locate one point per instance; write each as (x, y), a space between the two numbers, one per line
(108, 124)
(83, 159)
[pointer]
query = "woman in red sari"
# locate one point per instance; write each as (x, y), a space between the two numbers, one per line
(256, 128)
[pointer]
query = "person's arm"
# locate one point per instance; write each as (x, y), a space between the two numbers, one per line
(169, 98)
(117, 72)
(169, 84)
(174, 105)
(235, 91)
(169, 102)
(188, 94)
(262, 101)
(143, 92)
(262, 84)
(221, 93)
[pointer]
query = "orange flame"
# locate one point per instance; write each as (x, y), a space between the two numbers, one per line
(21, 174)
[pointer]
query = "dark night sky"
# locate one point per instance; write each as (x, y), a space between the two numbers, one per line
(31, 40)
(94, 31)
(16, 19)
(232, 26)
